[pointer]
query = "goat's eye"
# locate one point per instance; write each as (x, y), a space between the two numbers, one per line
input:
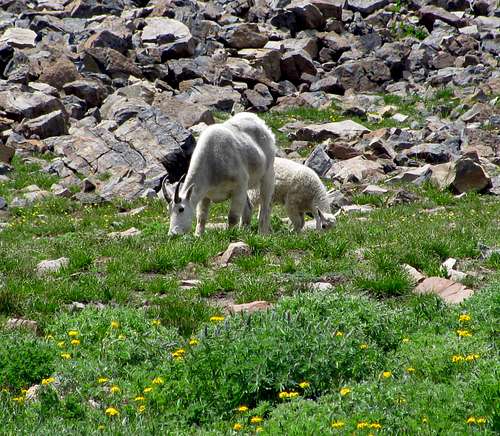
(181, 209)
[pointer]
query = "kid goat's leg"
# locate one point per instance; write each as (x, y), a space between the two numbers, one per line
(266, 194)
(201, 216)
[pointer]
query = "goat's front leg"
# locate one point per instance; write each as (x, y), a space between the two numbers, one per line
(201, 216)
(238, 202)
(246, 218)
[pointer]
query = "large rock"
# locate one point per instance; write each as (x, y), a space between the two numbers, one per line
(44, 126)
(111, 62)
(6, 152)
(139, 152)
(448, 290)
(309, 45)
(366, 7)
(340, 129)
(244, 35)
(92, 91)
(107, 39)
(216, 97)
(50, 266)
(296, 63)
(429, 14)
(469, 175)
(356, 169)
(161, 30)
(185, 113)
(267, 60)
(363, 75)
(433, 153)
(19, 38)
(59, 72)
(319, 161)
(19, 105)
(307, 15)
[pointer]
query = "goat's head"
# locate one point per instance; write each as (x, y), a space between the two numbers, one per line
(327, 220)
(180, 207)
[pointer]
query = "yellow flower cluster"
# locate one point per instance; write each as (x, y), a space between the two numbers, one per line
(216, 318)
(158, 381)
(75, 342)
(156, 322)
(111, 411)
(344, 391)
(179, 354)
(364, 424)
(338, 424)
(193, 342)
(237, 427)
(457, 358)
(243, 409)
(102, 380)
(363, 346)
(66, 356)
(304, 384)
(476, 420)
(73, 333)
(410, 370)
(387, 374)
(48, 381)
(115, 389)
(256, 419)
(339, 334)
(464, 317)
(115, 324)
(288, 395)
(464, 333)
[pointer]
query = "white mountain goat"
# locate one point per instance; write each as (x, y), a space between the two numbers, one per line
(229, 159)
(300, 190)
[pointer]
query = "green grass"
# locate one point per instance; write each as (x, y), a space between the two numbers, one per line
(346, 337)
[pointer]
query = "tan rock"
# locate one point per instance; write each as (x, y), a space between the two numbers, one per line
(450, 291)
(234, 250)
(19, 323)
(254, 306)
(414, 274)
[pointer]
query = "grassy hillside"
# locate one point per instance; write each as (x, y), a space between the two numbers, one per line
(146, 356)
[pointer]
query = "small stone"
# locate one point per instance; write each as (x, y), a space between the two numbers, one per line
(414, 274)
(19, 323)
(400, 118)
(235, 249)
(126, 233)
(254, 306)
(133, 212)
(374, 190)
(357, 208)
(321, 287)
(49, 266)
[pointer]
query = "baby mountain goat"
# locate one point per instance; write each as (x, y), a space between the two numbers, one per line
(300, 190)
(229, 159)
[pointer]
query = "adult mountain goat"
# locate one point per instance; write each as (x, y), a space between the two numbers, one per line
(301, 191)
(229, 159)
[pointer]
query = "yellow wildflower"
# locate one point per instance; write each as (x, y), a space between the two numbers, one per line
(237, 427)
(60, 344)
(424, 420)
(179, 354)
(72, 333)
(121, 337)
(481, 421)
(139, 398)
(339, 334)
(344, 391)
(217, 319)
(115, 324)
(406, 340)
(259, 429)
(18, 399)
(256, 419)
(100, 427)
(48, 381)
(102, 380)
(24, 391)
(156, 322)
(66, 356)
(304, 384)
(147, 390)
(338, 424)
(283, 395)
(363, 346)
(111, 411)
(158, 381)
(387, 374)
(243, 408)
(361, 425)
(471, 420)
(375, 425)
(193, 342)
(410, 369)
(75, 341)
(115, 389)
(456, 358)
(464, 317)
(293, 394)
(471, 357)
(464, 333)
(141, 408)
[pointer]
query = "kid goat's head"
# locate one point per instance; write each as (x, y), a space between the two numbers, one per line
(180, 207)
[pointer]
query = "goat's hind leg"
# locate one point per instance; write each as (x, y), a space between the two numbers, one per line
(202, 216)
(238, 202)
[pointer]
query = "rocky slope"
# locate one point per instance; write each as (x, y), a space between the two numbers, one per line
(118, 89)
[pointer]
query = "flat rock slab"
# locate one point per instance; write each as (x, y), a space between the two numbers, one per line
(340, 129)
(254, 306)
(126, 233)
(19, 323)
(19, 38)
(413, 273)
(48, 266)
(450, 291)
(162, 30)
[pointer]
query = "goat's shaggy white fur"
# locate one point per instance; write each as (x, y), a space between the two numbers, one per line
(300, 190)
(229, 159)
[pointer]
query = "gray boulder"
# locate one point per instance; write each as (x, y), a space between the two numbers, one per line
(19, 105)
(45, 126)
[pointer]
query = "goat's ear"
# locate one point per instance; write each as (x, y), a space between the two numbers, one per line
(167, 190)
(189, 191)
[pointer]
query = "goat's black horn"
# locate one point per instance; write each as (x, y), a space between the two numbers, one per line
(177, 187)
